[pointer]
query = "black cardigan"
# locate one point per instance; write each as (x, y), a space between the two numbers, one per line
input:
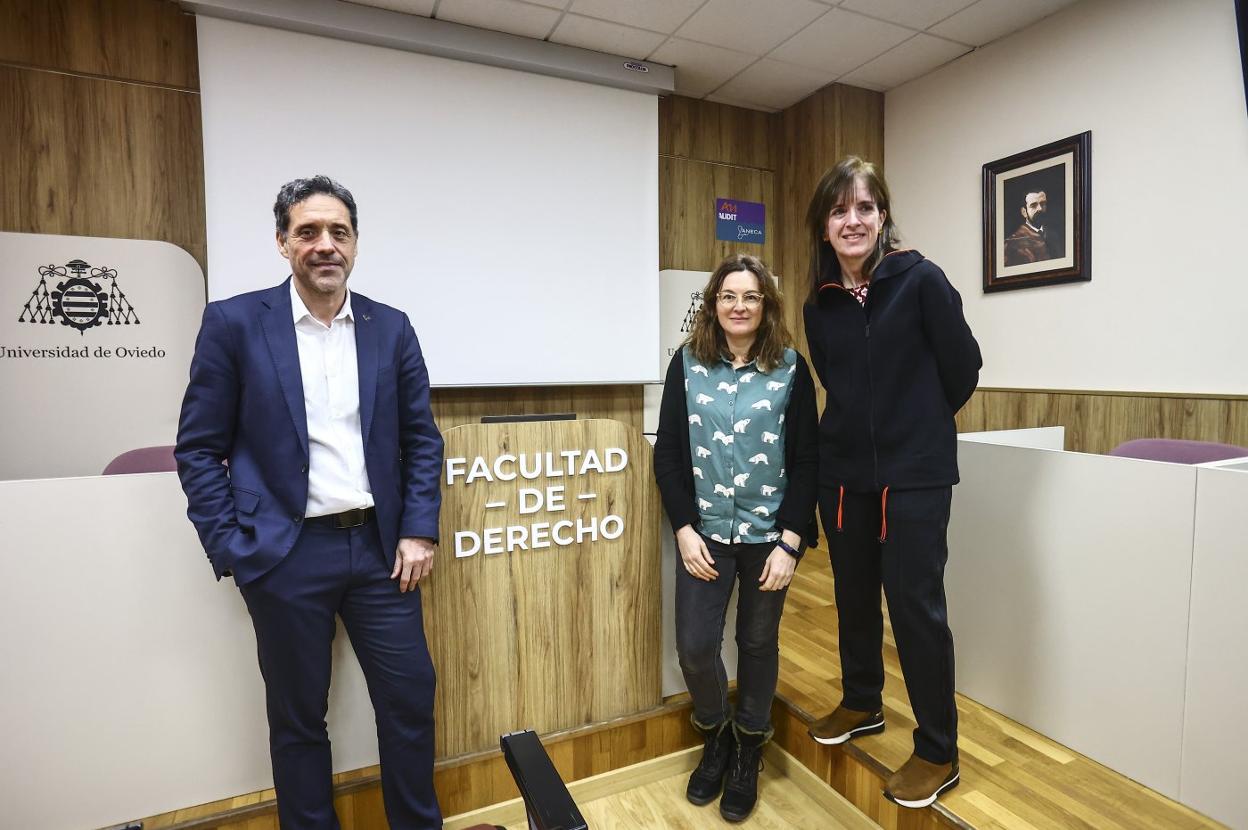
(673, 459)
(895, 372)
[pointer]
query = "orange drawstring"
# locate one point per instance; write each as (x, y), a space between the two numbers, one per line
(840, 509)
(884, 515)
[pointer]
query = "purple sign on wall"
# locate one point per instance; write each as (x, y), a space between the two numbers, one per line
(737, 221)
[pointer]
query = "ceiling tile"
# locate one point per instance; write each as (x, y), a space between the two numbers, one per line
(601, 36)
(774, 84)
(700, 68)
(500, 16)
(839, 42)
(656, 15)
(988, 20)
(748, 25)
(917, 14)
(424, 8)
(917, 56)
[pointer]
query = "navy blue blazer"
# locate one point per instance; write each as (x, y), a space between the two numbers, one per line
(244, 407)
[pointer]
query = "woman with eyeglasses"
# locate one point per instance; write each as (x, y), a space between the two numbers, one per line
(735, 463)
(897, 359)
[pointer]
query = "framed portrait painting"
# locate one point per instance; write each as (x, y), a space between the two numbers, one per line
(1038, 216)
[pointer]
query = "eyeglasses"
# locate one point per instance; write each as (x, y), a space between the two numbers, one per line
(750, 299)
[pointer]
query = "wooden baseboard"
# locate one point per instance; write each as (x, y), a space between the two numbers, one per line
(466, 782)
(1096, 422)
(820, 791)
(1117, 393)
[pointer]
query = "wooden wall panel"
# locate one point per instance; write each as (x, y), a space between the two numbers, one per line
(553, 638)
(708, 151)
(706, 131)
(809, 137)
(687, 193)
(93, 157)
(1099, 421)
(459, 406)
(147, 41)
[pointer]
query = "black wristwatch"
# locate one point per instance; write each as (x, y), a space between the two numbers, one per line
(796, 553)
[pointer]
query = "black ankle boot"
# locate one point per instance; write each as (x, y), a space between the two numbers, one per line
(708, 777)
(741, 786)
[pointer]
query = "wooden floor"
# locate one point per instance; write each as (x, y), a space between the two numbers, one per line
(782, 806)
(651, 795)
(1012, 777)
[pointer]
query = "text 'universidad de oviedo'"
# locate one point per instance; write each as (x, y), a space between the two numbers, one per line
(538, 501)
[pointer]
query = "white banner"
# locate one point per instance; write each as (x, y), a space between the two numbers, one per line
(95, 342)
(680, 297)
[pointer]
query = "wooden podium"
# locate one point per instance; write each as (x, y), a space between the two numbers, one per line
(543, 610)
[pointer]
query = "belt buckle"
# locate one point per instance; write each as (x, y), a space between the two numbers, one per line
(351, 518)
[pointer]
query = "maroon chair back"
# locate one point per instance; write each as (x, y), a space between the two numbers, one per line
(1177, 451)
(142, 460)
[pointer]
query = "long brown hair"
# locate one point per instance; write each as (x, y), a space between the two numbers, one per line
(706, 338)
(836, 186)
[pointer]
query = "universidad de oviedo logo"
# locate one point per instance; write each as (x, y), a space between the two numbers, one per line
(80, 299)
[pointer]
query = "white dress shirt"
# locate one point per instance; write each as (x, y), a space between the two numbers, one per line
(337, 479)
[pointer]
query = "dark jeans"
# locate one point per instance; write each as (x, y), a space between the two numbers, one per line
(910, 564)
(345, 573)
(700, 610)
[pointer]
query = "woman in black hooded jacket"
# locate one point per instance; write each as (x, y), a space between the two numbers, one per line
(893, 351)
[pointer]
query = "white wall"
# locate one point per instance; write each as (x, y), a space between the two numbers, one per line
(1159, 84)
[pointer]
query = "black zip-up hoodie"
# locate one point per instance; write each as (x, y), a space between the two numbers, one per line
(895, 370)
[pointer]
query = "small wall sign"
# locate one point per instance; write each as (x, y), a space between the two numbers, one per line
(737, 221)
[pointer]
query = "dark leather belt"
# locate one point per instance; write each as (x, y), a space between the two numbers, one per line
(347, 518)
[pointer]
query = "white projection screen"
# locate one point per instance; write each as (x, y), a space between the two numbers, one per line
(513, 216)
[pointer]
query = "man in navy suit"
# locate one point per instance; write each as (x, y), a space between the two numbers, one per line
(311, 461)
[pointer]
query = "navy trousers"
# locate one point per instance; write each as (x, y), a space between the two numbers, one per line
(910, 565)
(343, 572)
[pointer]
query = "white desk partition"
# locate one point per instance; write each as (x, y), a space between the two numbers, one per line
(129, 683)
(1240, 464)
(1068, 585)
(1040, 438)
(1215, 729)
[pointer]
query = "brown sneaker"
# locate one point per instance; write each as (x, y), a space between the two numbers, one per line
(918, 782)
(843, 724)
